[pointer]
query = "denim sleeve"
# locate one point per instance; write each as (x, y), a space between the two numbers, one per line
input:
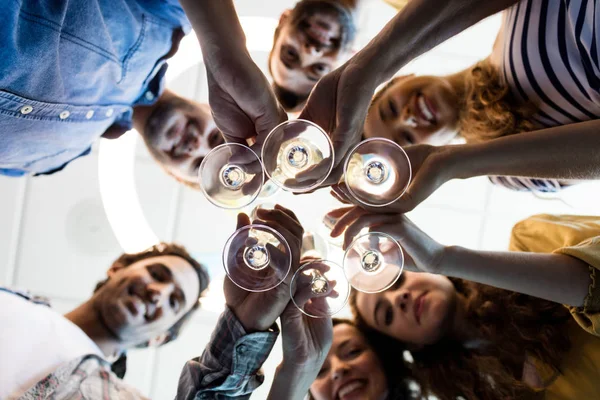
(229, 367)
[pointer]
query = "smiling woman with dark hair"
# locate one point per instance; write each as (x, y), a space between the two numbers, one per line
(362, 364)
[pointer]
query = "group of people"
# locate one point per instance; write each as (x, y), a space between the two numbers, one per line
(458, 323)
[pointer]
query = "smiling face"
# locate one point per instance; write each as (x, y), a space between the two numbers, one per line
(414, 109)
(419, 309)
(311, 40)
(351, 370)
(142, 301)
(179, 133)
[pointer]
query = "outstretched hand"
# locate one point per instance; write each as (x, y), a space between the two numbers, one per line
(421, 252)
(242, 102)
(431, 168)
(338, 104)
(258, 311)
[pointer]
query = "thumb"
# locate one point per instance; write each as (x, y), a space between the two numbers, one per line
(344, 138)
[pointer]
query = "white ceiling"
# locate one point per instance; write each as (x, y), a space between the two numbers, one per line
(55, 239)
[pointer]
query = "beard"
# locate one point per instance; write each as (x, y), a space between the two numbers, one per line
(307, 8)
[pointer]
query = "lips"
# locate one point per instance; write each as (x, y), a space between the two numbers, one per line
(424, 110)
(350, 388)
(418, 306)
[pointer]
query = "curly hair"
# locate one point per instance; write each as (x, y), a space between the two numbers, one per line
(391, 355)
(509, 326)
(487, 107)
(162, 249)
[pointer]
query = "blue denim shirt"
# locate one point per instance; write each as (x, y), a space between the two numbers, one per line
(69, 70)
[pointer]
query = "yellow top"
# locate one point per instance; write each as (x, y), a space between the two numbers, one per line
(397, 4)
(577, 236)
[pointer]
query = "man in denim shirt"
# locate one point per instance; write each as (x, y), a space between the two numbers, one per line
(71, 72)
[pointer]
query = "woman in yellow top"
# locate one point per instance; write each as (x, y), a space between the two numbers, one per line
(492, 325)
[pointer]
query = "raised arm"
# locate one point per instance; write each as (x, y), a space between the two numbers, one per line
(568, 152)
(555, 277)
(240, 97)
(340, 100)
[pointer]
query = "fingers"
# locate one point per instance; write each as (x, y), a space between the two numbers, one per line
(281, 218)
(341, 199)
(338, 212)
(242, 220)
(287, 211)
(346, 220)
(365, 221)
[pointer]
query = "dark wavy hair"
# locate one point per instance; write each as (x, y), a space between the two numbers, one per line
(162, 249)
(391, 355)
(509, 327)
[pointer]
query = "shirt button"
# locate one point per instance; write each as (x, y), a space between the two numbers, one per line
(242, 349)
(64, 115)
(109, 112)
(26, 110)
(89, 114)
(149, 95)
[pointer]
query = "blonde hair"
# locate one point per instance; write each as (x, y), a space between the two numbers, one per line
(488, 109)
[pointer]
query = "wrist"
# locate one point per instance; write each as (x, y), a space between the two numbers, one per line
(457, 161)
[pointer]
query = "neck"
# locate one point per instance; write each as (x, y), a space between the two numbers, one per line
(87, 318)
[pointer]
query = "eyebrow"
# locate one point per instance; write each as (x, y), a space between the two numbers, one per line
(163, 268)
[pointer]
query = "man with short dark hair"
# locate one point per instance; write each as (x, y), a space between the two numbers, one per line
(145, 300)
(312, 39)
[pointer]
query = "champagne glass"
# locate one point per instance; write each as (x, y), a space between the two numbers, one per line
(297, 155)
(319, 288)
(373, 262)
(377, 172)
(231, 176)
(257, 258)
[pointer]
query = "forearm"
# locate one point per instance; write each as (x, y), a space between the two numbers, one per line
(291, 384)
(563, 152)
(555, 277)
(217, 27)
(417, 29)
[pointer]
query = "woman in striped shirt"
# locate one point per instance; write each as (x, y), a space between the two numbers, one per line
(543, 73)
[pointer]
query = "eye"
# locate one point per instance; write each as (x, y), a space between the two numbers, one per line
(389, 316)
(320, 69)
(290, 54)
(323, 371)
(393, 109)
(405, 138)
(354, 352)
(398, 283)
(174, 302)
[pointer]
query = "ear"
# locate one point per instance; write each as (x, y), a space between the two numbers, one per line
(158, 340)
(284, 17)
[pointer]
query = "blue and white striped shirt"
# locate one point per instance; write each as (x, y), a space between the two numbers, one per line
(547, 53)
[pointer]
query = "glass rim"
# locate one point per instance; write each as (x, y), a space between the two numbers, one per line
(347, 162)
(281, 185)
(388, 236)
(322, 261)
(270, 230)
(203, 164)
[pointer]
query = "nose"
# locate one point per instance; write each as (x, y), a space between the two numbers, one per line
(191, 143)
(313, 48)
(159, 292)
(339, 370)
(402, 299)
(408, 117)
